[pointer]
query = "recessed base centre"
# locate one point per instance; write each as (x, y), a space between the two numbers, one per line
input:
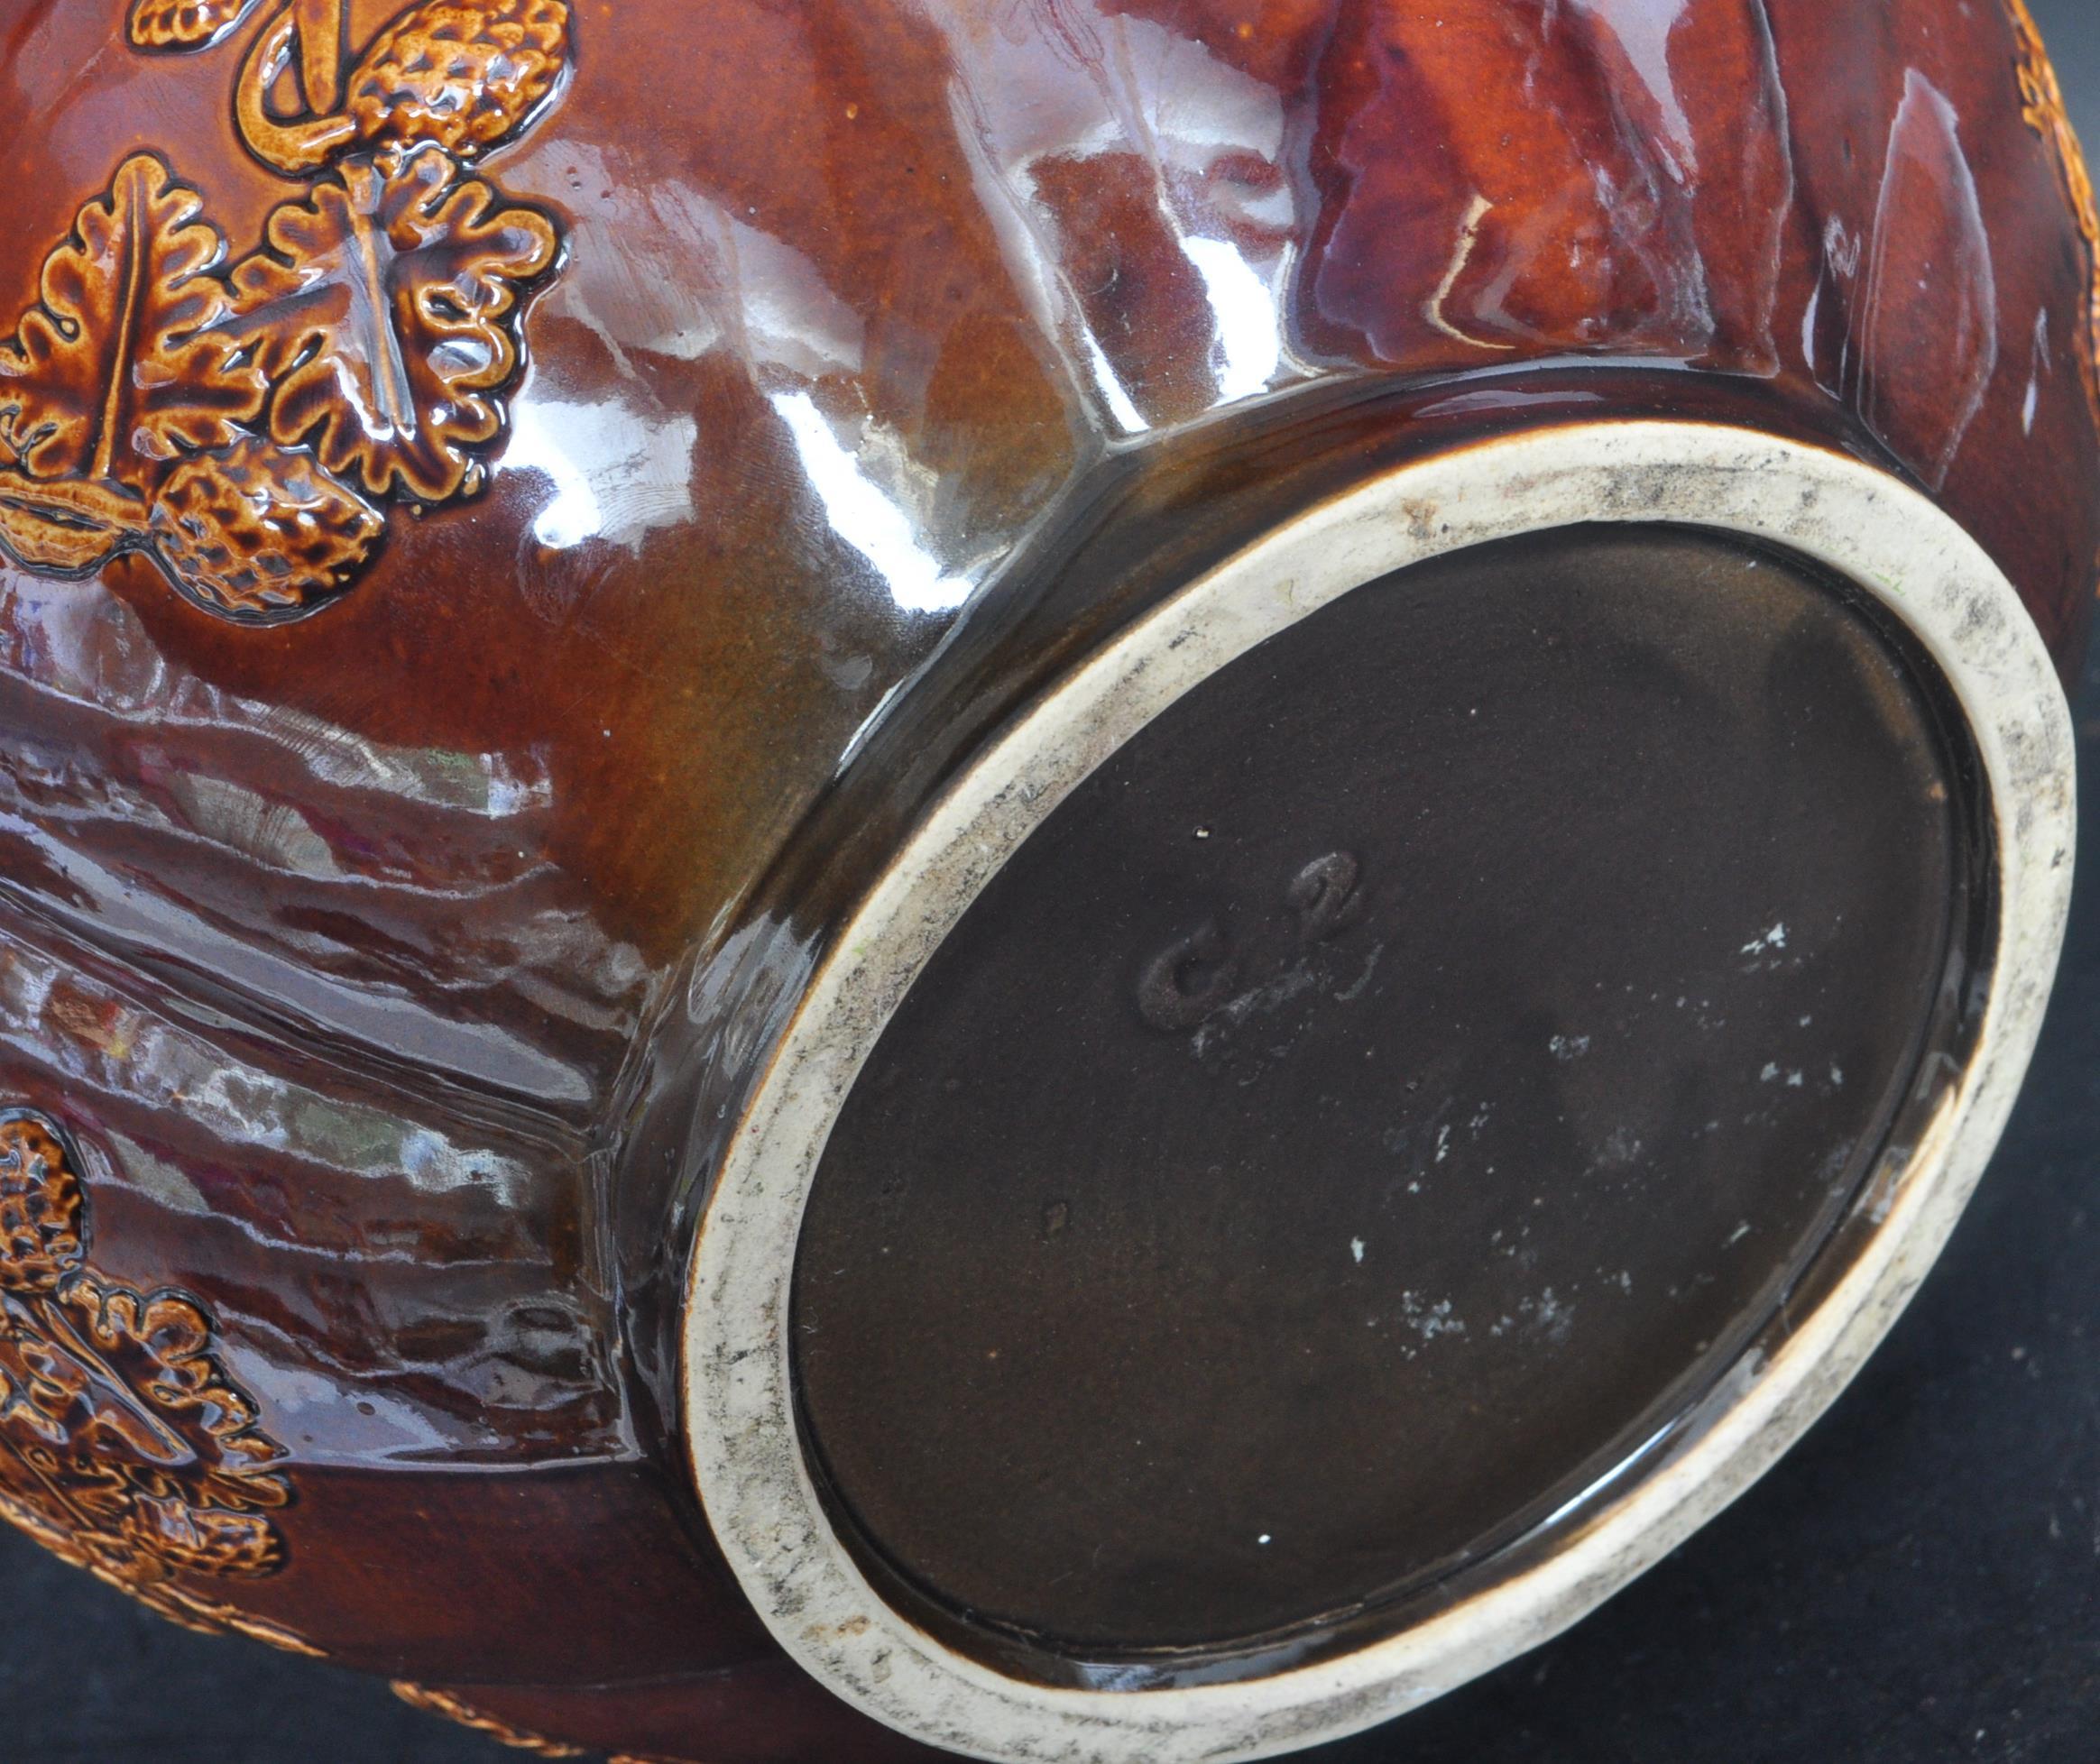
(1384, 1095)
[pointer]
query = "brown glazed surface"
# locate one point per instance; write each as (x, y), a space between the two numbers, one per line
(469, 472)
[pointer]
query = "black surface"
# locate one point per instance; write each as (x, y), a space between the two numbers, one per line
(1918, 1582)
(1382, 1099)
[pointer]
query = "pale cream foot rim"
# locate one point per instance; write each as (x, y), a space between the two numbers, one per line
(739, 1404)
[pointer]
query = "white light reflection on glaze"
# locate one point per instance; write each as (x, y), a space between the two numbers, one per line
(1073, 84)
(1643, 28)
(2040, 367)
(1249, 329)
(863, 517)
(617, 474)
(664, 270)
(1930, 277)
(1128, 417)
(1461, 254)
(166, 775)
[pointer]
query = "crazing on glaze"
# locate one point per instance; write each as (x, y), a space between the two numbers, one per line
(247, 427)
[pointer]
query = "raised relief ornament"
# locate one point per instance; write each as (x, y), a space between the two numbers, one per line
(125, 1448)
(246, 425)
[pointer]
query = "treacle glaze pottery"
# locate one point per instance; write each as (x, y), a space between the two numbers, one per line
(1069, 879)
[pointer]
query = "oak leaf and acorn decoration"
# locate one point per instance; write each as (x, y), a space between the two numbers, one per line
(126, 1445)
(246, 424)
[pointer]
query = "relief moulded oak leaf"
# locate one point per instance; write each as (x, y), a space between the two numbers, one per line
(120, 1430)
(185, 24)
(120, 367)
(120, 1427)
(383, 307)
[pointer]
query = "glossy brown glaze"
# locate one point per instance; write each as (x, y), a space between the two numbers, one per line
(230, 421)
(790, 396)
(125, 1446)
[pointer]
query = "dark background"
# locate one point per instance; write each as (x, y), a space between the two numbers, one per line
(1919, 1581)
